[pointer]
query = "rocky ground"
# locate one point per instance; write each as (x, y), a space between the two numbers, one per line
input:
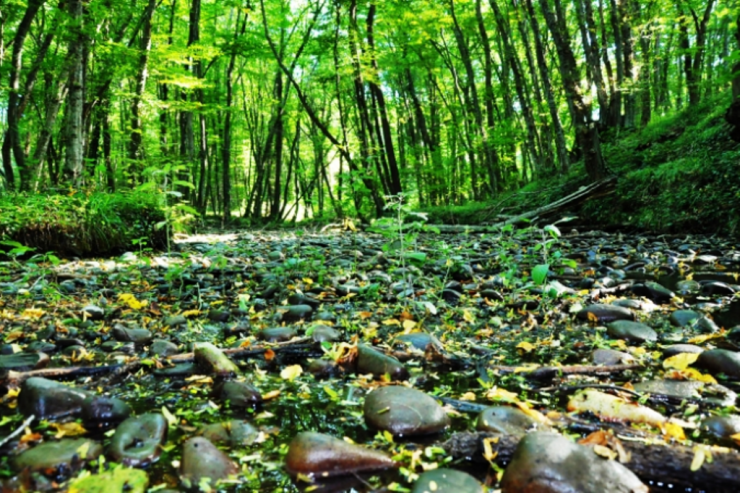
(524, 360)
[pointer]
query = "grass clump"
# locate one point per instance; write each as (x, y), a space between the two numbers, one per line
(83, 225)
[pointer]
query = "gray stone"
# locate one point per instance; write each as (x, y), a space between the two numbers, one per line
(605, 313)
(447, 480)
(62, 456)
(631, 331)
(720, 361)
(404, 411)
(201, 459)
(611, 357)
(47, 399)
(506, 420)
(138, 441)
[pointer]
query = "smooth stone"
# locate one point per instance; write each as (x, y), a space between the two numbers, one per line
(93, 312)
(404, 412)
(631, 331)
(722, 426)
(324, 333)
(687, 287)
(550, 463)
(610, 357)
(137, 336)
(213, 360)
(23, 361)
(293, 313)
(238, 394)
(163, 348)
(654, 291)
(63, 456)
(690, 318)
(103, 412)
(138, 441)
(720, 361)
(47, 399)
(277, 334)
(235, 433)
(180, 370)
(323, 368)
(201, 459)
(675, 349)
(74, 351)
(506, 420)
(605, 313)
(175, 321)
(677, 389)
(218, 315)
(447, 480)
(317, 454)
(370, 360)
(717, 288)
(418, 340)
(303, 299)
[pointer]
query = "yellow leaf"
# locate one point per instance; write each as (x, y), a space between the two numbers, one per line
(408, 325)
(388, 436)
(680, 361)
(33, 313)
(693, 374)
(673, 430)
(736, 438)
(699, 456)
(707, 337)
(526, 346)
(68, 429)
(467, 396)
(131, 301)
(190, 313)
(500, 394)
(14, 336)
(270, 395)
(391, 321)
(468, 317)
(291, 372)
(308, 280)
(592, 317)
(605, 452)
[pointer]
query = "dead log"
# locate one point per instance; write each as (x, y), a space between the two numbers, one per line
(652, 462)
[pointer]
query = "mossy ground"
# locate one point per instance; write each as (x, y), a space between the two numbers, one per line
(680, 174)
(80, 224)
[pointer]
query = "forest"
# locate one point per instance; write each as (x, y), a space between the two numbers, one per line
(350, 245)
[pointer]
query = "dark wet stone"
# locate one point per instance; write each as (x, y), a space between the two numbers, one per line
(201, 459)
(605, 313)
(370, 360)
(631, 331)
(491, 295)
(720, 361)
(293, 313)
(316, 454)
(213, 360)
(677, 389)
(324, 333)
(506, 420)
(238, 394)
(277, 334)
(550, 463)
(235, 433)
(215, 315)
(41, 347)
(93, 312)
(138, 441)
(683, 318)
(722, 426)
(104, 412)
(717, 288)
(177, 370)
(323, 368)
(303, 299)
(74, 351)
(610, 357)
(47, 399)
(175, 321)
(446, 480)
(675, 349)
(163, 348)
(137, 336)
(23, 361)
(418, 340)
(404, 411)
(64, 456)
(654, 291)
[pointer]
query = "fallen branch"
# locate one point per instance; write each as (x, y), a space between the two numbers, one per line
(18, 431)
(657, 462)
(550, 372)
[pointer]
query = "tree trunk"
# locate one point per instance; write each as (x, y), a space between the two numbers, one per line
(74, 130)
(587, 136)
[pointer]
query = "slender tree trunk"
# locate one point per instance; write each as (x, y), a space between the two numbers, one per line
(135, 152)
(587, 135)
(489, 98)
(75, 98)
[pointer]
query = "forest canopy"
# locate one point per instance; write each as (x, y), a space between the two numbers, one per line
(275, 109)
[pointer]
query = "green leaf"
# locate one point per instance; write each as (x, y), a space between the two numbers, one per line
(539, 273)
(553, 230)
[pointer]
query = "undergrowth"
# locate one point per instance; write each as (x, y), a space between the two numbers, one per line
(82, 225)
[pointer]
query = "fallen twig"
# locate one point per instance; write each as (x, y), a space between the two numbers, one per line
(17, 432)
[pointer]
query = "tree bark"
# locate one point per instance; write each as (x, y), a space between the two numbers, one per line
(74, 130)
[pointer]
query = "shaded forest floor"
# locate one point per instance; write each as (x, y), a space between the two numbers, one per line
(678, 175)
